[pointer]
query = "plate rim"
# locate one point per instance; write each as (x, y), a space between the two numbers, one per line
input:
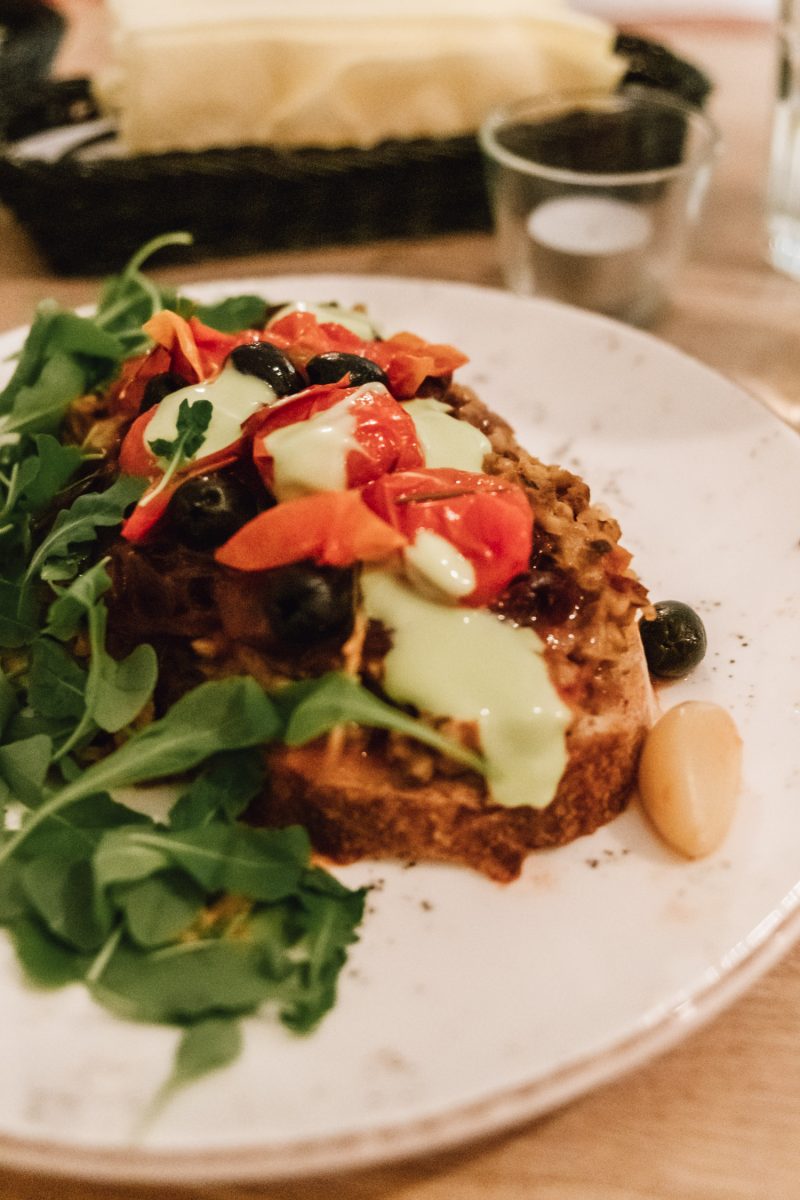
(474, 1121)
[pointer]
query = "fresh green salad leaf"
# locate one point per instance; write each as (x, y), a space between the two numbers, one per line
(264, 864)
(19, 612)
(222, 791)
(226, 714)
(59, 554)
(233, 314)
(199, 919)
(311, 708)
(56, 684)
(129, 299)
(192, 423)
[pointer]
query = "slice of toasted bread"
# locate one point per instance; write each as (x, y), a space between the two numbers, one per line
(366, 793)
(357, 804)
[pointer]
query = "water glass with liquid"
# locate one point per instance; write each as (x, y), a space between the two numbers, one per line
(595, 195)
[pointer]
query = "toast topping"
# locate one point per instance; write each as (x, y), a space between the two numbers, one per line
(446, 441)
(470, 666)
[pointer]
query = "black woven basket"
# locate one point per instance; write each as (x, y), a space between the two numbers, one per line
(88, 214)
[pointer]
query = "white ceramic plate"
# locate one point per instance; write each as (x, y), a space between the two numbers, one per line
(467, 1006)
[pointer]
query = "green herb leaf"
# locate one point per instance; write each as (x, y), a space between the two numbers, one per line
(76, 527)
(226, 714)
(24, 765)
(314, 707)
(234, 313)
(225, 788)
(184, 982)
(262, 864)
(19, 613)
(123, 687)
(64, 355)
(206, 1046)
(159, 908)
(191, 425)
(46, 962)
(129, 299)
(66, 612)
(64, 897)
(49, 469)
(330, 924)
(56, 684)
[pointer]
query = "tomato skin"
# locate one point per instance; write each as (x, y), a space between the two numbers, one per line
(332, 528)
(147, 514)
(135, 456)
(486, 518)
(408, 360)
(197, 352)
(384, 431)
(128, 392)
(301, 336)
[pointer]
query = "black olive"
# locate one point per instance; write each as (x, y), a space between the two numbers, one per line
(307, 604)
(674, 641)
(208, 509)
(330, 368)
(159, 386)
(267, 362)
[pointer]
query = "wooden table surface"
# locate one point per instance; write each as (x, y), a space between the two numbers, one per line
(719, 1117)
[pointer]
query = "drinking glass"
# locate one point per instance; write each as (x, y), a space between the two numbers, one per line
(595, 195)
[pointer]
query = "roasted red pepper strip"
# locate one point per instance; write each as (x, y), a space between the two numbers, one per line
(196, 351)
(136, 457)
(384, 433)
(407, 359)
(332, 528)
(486, 518)
(148, 512)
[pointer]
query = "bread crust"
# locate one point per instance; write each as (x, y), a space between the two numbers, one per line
(362, 794)
(355, 806)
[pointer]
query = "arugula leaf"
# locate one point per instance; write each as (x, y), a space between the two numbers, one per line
(224, 789)
(33, 482)
(24, 765)
(64, 356)
(262, 864)
(314, 707)
(234, 313)
(191, 425)
(8, 701)
(204, 1047)
(207, 1045)
(46, 471)
(129, 298)
(46, 962)
(71, 604)
(56, 684)
(225, 714)
(159, 907)
(62, 893)
(183, 982)
(329, 928)
(113, 692)
(76, 835)
(58, 555)
(19, 612)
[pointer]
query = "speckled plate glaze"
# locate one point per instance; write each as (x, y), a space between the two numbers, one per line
(468, 1007)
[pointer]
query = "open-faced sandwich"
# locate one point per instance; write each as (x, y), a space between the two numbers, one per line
(326, 508)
